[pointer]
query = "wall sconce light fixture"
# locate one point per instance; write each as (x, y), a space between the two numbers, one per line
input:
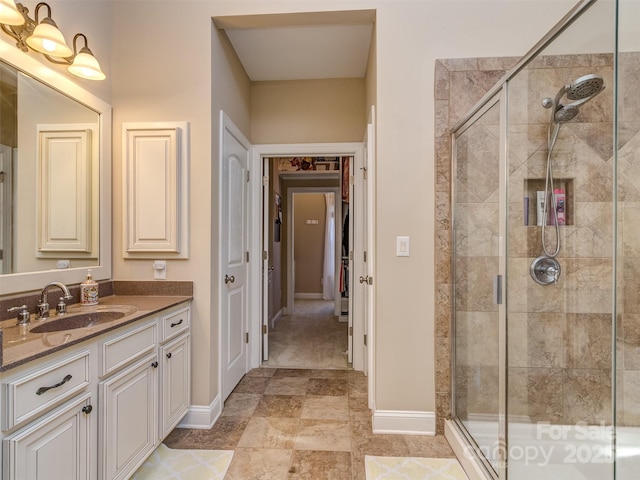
(44, 37)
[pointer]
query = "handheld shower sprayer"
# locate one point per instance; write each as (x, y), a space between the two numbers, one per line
(579, 92)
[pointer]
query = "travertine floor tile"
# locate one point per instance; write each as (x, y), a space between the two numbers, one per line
(286, 406)
(241, 404)
(317, 465)
(302, 423)
(287, 386)
(326, 386)
(269, 432)
(328, 435)
(325, 407)
(259, 464)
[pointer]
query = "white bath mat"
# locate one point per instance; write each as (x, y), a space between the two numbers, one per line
(413, 468)
(174, 464)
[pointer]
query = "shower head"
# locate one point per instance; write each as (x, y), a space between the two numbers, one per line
(580, 91)
(585, 87)
(564, 113)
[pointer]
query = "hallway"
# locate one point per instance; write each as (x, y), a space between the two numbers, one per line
(302, 424)
(311, 338)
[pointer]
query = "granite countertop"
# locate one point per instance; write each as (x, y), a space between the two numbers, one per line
(20, 345)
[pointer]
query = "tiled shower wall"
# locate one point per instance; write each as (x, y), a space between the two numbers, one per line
(559, 335)
(459, 84)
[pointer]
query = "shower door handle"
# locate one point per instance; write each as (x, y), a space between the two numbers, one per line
(497, 290)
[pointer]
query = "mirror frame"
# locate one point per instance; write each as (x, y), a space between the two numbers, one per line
(13, 283)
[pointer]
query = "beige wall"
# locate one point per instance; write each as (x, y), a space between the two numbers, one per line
(93, 18)
(167, 74)
(177, 67)
(154, 80)
(306, 111)
(308, 241)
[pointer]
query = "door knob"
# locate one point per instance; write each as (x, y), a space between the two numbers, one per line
(364, 279)
(229, 279)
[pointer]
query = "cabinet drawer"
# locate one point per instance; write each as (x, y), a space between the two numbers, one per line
(33, 394)
(175, 323)
(127, 347)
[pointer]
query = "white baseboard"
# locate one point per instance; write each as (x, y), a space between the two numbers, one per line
(202, 416)
(404, 422)
(308, 296)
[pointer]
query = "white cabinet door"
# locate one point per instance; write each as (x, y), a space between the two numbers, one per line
(175, 383)
(128, 418)
(59, 446)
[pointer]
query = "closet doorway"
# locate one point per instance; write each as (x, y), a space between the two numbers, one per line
(306, 243)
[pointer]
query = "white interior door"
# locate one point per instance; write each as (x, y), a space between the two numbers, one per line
(369, 240)
(267, 272)
(363, 283)
(234, 247)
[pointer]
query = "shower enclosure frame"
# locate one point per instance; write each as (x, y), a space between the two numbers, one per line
(498, 97)
(464, 444)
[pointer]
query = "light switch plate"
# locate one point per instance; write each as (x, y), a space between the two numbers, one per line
(402, 246)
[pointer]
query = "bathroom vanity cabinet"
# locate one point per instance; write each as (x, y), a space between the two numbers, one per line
(98, 409)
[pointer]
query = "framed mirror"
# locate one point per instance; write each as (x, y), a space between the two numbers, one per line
(55, 177)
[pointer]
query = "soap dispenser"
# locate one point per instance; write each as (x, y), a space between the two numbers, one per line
(89, 291)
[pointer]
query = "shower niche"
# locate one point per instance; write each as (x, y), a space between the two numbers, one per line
(532, 207)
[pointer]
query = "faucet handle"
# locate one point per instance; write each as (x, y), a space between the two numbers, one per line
(23, 314)
(61, 308)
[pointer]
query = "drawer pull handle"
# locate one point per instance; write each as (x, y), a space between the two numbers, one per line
(169, 355)
(41, 390)
(176, 324)
(87, 409)
(154, 364)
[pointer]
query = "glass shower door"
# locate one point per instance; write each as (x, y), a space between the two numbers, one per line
(476, 263)
(627, 379)
(560, 258)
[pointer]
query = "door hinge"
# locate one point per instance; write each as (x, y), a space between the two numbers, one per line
(351, 331)
(265, 255)
(364, 172)
(264, 329)
(365, 339)
(247, 257)
(351, 255)
(248, 175)
(265, 180)
(364, 256)
(246, 337)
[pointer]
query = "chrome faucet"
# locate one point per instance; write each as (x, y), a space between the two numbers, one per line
(43, 305)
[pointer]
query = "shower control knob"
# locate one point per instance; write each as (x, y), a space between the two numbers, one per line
(545, 270)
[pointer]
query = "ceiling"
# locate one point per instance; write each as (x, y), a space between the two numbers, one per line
(307, 46)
